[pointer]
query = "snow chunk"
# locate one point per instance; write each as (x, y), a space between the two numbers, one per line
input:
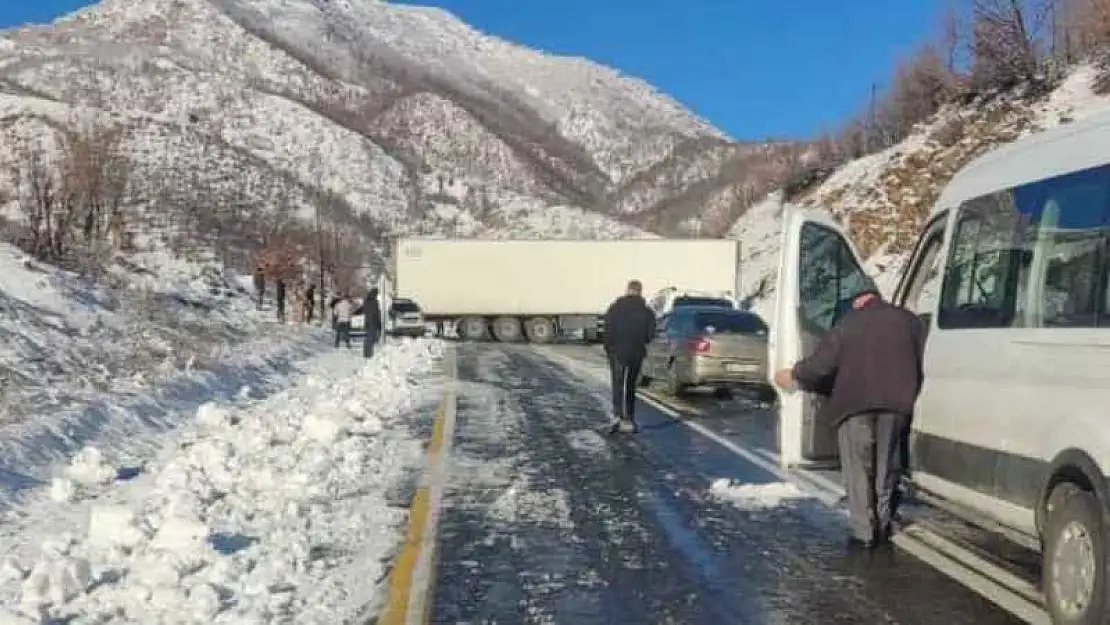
(90, 468)
(212, 415)
(113, 526)
(56, 581)
(755, 496)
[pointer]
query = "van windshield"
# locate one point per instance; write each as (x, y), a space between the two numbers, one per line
(730, 323)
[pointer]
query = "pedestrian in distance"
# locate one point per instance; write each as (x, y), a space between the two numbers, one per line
(629, 327)
(259, 287)
(280, 301)
(309, 303)
(372, 321)
(342, 311)
(873, 359)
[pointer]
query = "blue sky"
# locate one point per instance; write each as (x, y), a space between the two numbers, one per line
(755, 69)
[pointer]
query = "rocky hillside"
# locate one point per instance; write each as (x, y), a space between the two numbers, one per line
(391, 118)
(885, 198)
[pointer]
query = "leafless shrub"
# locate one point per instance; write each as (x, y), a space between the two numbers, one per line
(71, 197)
(1003, 45)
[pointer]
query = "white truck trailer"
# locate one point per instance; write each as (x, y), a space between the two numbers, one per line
(537, 290)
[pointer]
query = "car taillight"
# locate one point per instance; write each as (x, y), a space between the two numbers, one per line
(698, 345)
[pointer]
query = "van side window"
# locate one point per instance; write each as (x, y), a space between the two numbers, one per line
(1069, 253)
(1033, 256)
(987, 263)
(828, 274)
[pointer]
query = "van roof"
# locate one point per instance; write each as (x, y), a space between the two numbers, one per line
(1070, 147)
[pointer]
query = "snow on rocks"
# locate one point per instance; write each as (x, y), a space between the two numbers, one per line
(274, 511)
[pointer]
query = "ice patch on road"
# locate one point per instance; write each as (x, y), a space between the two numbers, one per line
(756, 496)
(589, 442)
(545, 505)
(276, 511)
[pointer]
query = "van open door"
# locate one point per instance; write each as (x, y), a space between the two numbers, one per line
(819, 270)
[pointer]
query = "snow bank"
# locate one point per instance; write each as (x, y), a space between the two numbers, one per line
(756, 496)
(264, 513)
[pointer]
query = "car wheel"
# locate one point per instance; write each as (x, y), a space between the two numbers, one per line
(1075, 558)
(722, 392)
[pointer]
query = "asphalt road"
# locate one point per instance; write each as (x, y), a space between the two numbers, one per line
(547, 521)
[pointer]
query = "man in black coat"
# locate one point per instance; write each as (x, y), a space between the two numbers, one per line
(629, 327)
(372, 322)
(873, 358)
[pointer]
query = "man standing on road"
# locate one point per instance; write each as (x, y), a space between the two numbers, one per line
(873, 359)
(372, 322)
(629, 327)
(342, 313)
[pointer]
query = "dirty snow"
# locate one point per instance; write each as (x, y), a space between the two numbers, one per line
(756, 496)
(259, 511)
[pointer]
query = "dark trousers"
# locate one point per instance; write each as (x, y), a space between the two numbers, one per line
(624, 376)
(871, 459)
(368, 342)
(343, 333)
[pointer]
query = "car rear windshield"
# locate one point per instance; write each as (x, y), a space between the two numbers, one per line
(730, 323)
(405, 307)
(690, 300)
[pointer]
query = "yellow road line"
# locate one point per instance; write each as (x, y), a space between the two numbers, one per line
(406, 589)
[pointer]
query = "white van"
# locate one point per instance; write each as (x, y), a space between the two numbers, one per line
(1012, 428)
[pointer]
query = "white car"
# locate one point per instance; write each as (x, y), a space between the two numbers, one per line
(404, 319)
(1011, 430)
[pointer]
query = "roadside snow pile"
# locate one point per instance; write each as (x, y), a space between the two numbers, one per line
(755, 496)
(274, 512)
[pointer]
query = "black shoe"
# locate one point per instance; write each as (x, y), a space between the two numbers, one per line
(615, 428)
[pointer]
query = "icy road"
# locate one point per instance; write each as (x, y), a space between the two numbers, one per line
(545, 521)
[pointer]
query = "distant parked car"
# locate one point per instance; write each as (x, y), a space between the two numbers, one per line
(664, 301)
(405, 319)
(708, 346)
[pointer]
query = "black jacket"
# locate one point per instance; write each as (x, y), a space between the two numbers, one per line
(629, 327)
(372, 316)
(872, 360)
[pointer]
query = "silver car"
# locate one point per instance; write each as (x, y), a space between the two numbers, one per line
(702, 346)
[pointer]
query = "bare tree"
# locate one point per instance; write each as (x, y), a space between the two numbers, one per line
(1003, 45)
(72, 196)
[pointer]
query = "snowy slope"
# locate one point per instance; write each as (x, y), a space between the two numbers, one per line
(255, 512)
(387, 107)
(81, 363)
(885, 198)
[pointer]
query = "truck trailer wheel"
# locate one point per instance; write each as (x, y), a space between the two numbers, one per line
(472, 329)
(507, 329)
(540, 330)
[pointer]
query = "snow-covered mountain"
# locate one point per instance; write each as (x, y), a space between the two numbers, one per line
(404, 117)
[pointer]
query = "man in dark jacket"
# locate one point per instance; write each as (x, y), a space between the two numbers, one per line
(279, 298)
(873, 358)
(372, 322)
(629, 327)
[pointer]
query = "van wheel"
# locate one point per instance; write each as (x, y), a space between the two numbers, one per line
(1075, 558)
